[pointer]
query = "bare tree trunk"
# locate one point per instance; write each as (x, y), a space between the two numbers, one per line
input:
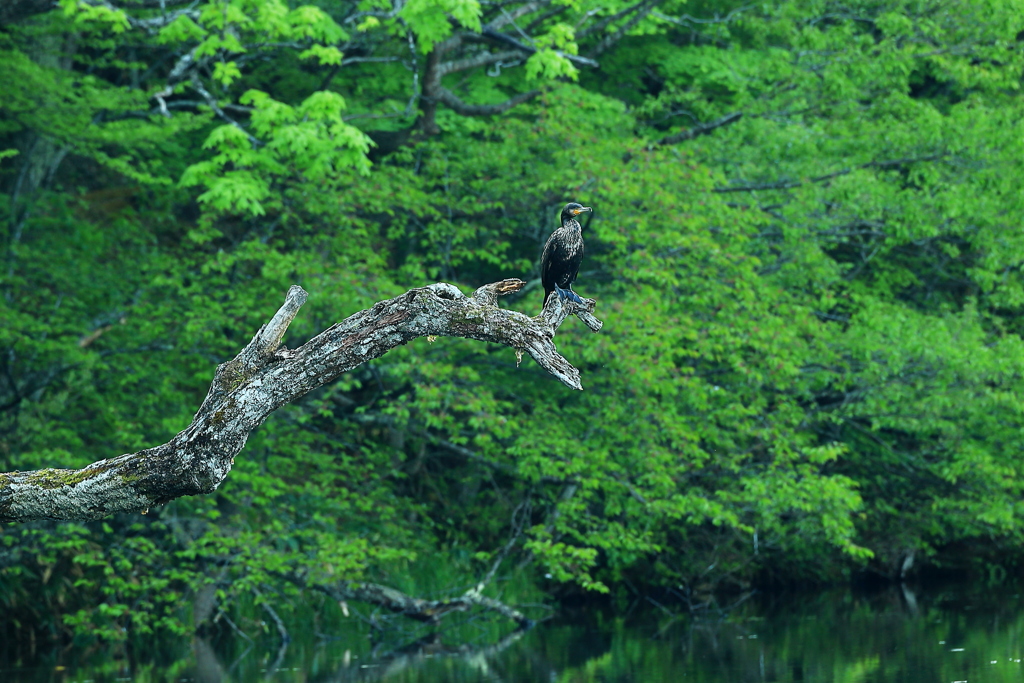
(265, 376)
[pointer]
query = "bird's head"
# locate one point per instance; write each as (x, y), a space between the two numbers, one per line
(572, 210)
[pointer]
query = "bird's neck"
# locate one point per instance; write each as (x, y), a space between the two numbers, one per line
(572, 224)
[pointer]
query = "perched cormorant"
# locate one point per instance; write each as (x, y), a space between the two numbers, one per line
(563, 254)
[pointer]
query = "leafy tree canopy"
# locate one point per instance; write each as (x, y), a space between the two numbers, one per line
(806, 247)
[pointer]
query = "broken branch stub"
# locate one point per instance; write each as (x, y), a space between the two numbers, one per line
(265, 376)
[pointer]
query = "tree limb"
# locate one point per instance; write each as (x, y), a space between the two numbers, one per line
(509, 17)
(482, 59)
(790, 184)
(265, 376)
(434, 92)
(148, 24)
(211, 101)
(642, 9)
(460, 107)
(604, 22)
(700, 129)
(530, 49)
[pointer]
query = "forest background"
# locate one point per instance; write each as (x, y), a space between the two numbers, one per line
(806, 247)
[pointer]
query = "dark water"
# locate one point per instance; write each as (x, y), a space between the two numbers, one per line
(914, 636)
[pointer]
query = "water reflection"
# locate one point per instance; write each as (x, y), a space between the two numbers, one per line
(900, 634)
(415, 660)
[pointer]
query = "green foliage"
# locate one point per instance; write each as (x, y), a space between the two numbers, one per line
(310, 140)
(430, 18)
(811, 363)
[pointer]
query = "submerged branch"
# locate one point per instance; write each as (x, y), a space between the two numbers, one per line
(397, 602)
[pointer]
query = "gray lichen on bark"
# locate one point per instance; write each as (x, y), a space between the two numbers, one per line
(265, 376)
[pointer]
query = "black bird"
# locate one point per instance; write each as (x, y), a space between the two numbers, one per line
(563, 254)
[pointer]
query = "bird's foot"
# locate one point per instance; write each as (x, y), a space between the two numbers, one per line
(564, 294)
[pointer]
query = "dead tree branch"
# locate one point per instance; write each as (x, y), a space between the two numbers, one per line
(265, 376)
(397, 602)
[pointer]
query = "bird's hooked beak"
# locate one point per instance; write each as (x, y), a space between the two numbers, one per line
(577, 212)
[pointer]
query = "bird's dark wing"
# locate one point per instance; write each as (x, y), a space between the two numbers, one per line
(548, 260)
(578, 260)
(566, 259)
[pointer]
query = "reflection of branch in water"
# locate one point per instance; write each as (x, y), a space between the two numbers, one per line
(208, 668)
(701, 613)
(281, 630)
(418, 653)
(910, 598)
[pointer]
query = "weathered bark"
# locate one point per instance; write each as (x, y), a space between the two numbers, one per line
(265, 376)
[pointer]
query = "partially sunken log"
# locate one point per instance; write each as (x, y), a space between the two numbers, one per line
(429, 611)
(266, 376)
